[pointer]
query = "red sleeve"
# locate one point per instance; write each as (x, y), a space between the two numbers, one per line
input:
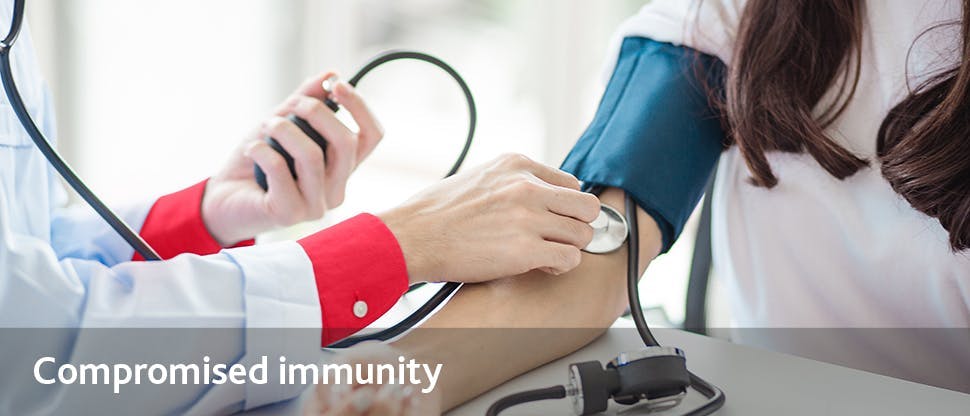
(174, 225)
(360, 274)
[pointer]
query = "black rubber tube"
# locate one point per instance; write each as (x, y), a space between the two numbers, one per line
(548, 393)
(143, 248)
(715, 397)
(16, 102)
(401, 327)
(633, 273)
(396, 55)
(449, 288)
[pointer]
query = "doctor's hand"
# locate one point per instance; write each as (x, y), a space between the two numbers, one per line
(372, 399)
(235, 208)
(505, 218)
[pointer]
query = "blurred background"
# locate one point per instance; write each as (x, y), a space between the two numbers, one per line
(152, 95)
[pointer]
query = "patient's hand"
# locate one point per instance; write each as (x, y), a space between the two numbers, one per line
(372, 399)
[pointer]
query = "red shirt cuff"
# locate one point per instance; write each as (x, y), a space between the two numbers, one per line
(174, 225)
(360, 274)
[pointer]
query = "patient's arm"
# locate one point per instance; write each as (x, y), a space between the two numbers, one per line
(586, 300)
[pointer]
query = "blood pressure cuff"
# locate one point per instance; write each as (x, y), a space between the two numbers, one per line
(655, 134)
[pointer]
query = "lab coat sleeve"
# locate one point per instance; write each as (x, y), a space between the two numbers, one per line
(236, 291)
(171, 225)
(68, 223)
(174, 225)
(100, 242)
(77, 297)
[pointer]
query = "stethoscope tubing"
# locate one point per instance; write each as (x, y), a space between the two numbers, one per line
(142, 247)
(715, 396)
(16, 102)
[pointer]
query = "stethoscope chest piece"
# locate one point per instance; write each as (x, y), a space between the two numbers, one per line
(610, 231)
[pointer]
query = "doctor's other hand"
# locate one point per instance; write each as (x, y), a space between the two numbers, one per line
(372, 399)
(235, 208)
(504, 218)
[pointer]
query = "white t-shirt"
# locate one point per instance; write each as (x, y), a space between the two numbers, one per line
(816, 252)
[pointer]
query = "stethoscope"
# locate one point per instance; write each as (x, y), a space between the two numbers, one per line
(654, 378)
(655, 375)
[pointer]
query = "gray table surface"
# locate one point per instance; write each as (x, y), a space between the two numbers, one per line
(756, 382)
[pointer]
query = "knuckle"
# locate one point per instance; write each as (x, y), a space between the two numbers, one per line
(506, 193)
(341, 148)
(314, 155)
(585, 234)
(309, 107)
(522, 188)
(519, 189)
(275, 163)
(575, 257)
(291, 101)
(521, 160)
(514, 160)
(257, 147)
(296, 214)
(573, 182)
(348, 95)
(345, 140)
(592, 207)
(276, 126)
(571, 257)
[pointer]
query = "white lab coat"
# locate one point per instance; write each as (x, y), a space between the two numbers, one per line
(67, 269)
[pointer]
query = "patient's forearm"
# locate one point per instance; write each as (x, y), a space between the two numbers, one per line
(562, 312)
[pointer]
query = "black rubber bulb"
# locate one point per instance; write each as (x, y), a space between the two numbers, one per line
(309, 131)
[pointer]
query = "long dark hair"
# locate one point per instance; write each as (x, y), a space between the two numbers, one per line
(790, 54)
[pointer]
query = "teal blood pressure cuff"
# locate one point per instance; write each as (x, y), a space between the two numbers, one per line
(655, 134)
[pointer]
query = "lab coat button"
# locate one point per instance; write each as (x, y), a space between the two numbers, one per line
(360, 309)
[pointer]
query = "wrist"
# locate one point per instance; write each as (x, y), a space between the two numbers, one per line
(420, 265)
(221, 218)
(211, 219)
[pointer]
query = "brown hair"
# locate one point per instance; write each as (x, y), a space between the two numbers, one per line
(790, 54)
